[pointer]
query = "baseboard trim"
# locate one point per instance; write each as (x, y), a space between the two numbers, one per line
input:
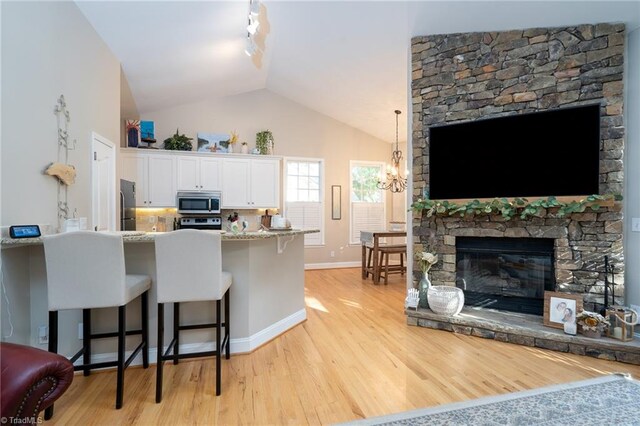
(238, 346)
(332, 265)
(250, 344)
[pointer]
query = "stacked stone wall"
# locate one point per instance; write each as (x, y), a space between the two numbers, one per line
(468, 76)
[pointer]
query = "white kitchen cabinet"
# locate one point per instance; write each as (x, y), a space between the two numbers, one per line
(134, 168)
(154, 178)
(250, 183)
(198, 173)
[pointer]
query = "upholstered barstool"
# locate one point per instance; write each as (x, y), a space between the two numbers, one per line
(86, 270)
(189, 269)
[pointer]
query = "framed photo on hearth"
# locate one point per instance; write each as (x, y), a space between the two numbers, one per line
(560, 308)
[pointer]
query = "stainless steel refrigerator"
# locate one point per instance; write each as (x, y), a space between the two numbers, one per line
(127, 205)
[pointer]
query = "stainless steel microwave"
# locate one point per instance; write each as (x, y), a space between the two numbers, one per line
(204, 202)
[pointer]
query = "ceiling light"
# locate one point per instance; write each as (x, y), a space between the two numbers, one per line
(254, 7)
(395, 182)
(251, 47)
(253, 25)
(252, 29)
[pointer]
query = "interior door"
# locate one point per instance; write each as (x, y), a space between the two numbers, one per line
(103, 180)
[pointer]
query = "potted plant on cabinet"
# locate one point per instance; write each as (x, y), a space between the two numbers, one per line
(178, 142)
(264, 142)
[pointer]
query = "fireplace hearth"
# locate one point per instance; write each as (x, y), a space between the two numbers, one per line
(509, 274)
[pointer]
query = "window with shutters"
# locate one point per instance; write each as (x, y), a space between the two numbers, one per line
(304, 195)
(367, 202)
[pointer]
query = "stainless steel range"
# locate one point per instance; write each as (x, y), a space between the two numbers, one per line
(200, 222)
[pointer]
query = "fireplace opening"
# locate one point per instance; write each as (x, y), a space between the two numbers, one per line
(509, 274)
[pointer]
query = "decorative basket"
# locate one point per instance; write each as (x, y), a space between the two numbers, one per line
(445, 300)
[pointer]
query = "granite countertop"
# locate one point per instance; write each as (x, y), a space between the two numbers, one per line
(145, 237)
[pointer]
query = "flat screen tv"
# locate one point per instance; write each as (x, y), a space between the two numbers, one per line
(551, 153)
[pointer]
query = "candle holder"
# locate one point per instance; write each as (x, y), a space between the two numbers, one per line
(623, 321)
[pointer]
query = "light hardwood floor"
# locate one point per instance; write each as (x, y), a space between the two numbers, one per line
(354, 357)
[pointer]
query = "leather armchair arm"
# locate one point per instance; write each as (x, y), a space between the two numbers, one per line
(31, 380)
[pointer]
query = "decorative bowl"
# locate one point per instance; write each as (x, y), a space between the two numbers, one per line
(445, 300)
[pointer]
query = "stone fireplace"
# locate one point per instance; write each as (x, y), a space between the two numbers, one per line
(462, 77)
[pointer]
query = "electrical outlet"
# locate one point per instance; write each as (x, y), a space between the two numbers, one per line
(80, 330)
(332, 254)
(43, 338)
(635, 224)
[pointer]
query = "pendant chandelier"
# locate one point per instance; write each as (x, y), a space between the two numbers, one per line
(394, 182)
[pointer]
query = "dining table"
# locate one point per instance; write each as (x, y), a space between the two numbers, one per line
(371, 240)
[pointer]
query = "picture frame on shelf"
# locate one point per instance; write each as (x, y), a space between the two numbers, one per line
(560, 308)
(213, 142)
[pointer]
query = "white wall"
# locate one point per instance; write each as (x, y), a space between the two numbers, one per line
(632, 168)
(128, 108)
(298, 131)
(49, 49)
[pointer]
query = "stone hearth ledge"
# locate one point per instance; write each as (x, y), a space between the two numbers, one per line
(527, 330)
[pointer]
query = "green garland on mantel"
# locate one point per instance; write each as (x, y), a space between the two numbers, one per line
(509, 209)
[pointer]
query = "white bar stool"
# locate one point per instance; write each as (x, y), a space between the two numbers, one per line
(189, 269)
(86, 270)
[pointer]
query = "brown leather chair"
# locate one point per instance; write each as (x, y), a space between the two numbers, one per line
(31, 380)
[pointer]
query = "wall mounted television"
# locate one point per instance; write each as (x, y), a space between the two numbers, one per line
(541, 154)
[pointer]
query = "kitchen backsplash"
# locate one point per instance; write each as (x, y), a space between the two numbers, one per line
(149, 220)
(161, 220)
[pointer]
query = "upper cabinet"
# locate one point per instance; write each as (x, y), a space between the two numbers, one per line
(154, 176)
(198, 173)
(246, 181)
(251, 183)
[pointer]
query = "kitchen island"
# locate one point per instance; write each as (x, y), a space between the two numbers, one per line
(267, 294)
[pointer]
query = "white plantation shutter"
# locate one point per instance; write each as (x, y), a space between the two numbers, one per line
(304, 189)
(366, 217)
(306, 215)
(367, 201)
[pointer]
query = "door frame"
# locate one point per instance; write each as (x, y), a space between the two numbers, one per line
(95, 139)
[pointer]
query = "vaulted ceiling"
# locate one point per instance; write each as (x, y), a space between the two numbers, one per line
(346, 59)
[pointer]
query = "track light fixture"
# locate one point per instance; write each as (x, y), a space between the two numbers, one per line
(395, 182)
(252, 28)
(253, 25)
(251, 47)
(254, 7)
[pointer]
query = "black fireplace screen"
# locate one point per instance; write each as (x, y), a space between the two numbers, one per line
(509, 274)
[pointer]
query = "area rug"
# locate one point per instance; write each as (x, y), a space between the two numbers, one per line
(607, 400)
